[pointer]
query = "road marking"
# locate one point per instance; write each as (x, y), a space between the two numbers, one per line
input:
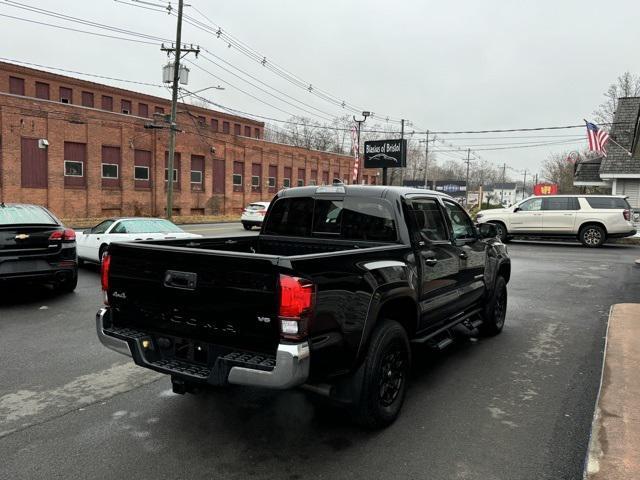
(19, 409)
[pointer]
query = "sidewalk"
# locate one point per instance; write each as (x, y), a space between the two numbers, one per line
(614, 451)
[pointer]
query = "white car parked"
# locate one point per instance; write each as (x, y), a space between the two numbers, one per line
(253, 215)
(92, 242)
(590, 218)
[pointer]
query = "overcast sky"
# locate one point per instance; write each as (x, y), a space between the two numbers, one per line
(463, 65)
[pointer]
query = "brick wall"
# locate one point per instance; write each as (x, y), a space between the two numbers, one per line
(59, 123)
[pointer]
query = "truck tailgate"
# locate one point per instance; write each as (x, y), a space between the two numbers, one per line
(226, 298)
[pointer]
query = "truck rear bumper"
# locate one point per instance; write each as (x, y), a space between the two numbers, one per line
(291, 363)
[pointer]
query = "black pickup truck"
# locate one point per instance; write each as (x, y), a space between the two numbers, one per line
(330, 295)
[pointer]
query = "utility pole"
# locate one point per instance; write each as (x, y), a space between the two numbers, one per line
(178, 50)
(426, 159)
(466, 200)
(403, 152)
(524, 185)
(504, 170)
(359, 125)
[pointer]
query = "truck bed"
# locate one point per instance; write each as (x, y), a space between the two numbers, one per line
(221, 291)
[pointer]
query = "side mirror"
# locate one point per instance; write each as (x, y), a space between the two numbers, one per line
(516, 210)
(487, 230)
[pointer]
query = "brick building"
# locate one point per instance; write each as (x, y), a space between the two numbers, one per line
(81, 149)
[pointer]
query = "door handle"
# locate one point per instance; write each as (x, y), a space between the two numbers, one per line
(463, 255)
(430, 262)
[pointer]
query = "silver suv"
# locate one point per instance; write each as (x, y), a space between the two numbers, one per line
(590, 218)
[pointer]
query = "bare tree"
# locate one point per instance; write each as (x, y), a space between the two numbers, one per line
(627, 85)
(558, 169)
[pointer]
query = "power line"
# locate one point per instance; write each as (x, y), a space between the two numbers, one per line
(104, 35)
(263, 90)
(82, 21)
(21, 62)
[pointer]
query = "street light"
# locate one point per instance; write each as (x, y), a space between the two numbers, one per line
(359, 123)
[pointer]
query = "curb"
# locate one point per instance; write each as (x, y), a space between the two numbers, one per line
(594, 450)
(613, 452)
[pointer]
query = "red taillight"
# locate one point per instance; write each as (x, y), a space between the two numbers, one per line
(66, 235)
(104, 271)
(296, 305)
(627, 215)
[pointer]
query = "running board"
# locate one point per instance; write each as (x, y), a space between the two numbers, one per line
(458, 320)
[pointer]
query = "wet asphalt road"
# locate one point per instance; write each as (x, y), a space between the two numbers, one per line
(517, 406)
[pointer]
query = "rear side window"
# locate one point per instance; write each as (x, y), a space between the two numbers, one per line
(608, 202)
(560, 203)
(429, 219)
(348, 219)
(25, 215)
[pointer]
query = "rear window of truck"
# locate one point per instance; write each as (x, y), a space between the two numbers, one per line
(608, 203)
(350, 218)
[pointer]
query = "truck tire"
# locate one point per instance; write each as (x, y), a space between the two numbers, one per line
(495, 310)
(592, 236)
(386, 373)
(247, 226)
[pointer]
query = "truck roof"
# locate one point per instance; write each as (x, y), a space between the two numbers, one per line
(357, 190)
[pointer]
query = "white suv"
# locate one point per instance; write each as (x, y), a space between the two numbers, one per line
(590, 218)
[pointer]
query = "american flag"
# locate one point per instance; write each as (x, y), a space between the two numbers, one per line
(356, 153)
(598, 138)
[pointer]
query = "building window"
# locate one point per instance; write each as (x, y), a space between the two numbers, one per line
(177, 165)
(197, 170)
(73, 169)
(286, 181)
(238, 171)
(143, 110)
(219, 177)
(301, 176)
(110, 170)
(42, 90)
(175, 175)
(256, 132)
(111, 161)
(125, 106)
(66, 95)
(196, 177)
(34, 161)
(247, 131)
(273, 178)
(75, 157)
(141, 173)
(202, 122)
(159, 110)
(255, 181)
(107, 103)
(236, 129)
(87, 99)
(225, 127)
(214, 124)
(16, 86)
(300, 182)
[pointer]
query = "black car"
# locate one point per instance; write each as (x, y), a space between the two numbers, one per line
(35, 246)
(329, 296)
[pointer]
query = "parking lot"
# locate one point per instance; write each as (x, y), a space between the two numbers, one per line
(516, 406)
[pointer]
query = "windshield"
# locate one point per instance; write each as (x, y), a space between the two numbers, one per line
(25, 215)
(151, 225)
